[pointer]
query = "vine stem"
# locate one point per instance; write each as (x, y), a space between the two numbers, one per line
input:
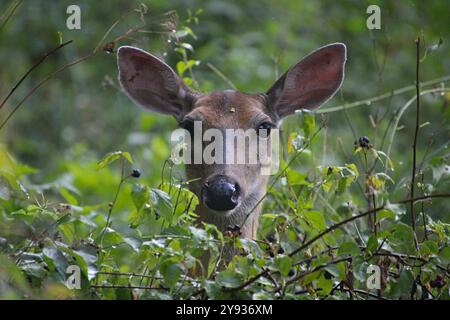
(277, 177)
(37, 64)
(416, 133)
(113, 203)
(59, 70)
(369, 101)
(337, 226)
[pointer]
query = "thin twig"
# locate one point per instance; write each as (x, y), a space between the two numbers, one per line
(401, 112)
(39, 237)
(277, 177)
(416, 133)
(9, 13)
(369, 101)
(221, 75)
(334, 227)
(319, 267)
(117, 286)
(424, 217)
(425, 197)
(37, 64)
(64, 67)
(113, 203)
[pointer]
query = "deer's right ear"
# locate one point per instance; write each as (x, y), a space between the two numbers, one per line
(311, 82)
(151, 83)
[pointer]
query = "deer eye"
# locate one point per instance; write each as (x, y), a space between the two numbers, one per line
(264, 129)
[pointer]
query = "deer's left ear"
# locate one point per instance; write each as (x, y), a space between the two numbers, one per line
(309, 83)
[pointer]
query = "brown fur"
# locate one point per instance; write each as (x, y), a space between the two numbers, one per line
(231, 110)
(308, 84)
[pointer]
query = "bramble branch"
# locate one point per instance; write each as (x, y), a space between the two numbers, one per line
(416, 133)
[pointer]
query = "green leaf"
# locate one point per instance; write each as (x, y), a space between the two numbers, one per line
(398, 209)
(429, 247)
(113, 156)
(351, 167)
(171, 270)
(296, 178)
(68, 196)
(372, 243)
(316, 219)
(283, 264)
(432, 48)
(112, 236)
(86, 258)
(140, 195)
(308, 124)
(162, 204)
(183, 66)
(187, 46)
(35, 269)
(349, 247)
(440, 168)
(325, 284)
(229, 279)
(54, 257)
(445, 253)
(385, 214)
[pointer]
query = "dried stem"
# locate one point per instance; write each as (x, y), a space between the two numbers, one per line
(337, 226)
(64, 67)
(113, 203)
(37, 64)
(221, 75)
(416, 132)
(369, 101)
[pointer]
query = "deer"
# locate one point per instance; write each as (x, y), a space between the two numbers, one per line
(229, 192)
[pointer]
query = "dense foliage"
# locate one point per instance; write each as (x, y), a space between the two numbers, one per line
(341, 203)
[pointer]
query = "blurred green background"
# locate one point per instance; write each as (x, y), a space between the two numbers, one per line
(81, 114)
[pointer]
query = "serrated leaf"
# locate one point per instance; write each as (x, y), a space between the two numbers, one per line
(429, 247)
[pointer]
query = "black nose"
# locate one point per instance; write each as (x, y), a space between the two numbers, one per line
(221, 193)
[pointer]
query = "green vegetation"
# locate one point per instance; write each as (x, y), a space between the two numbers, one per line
(127, 218)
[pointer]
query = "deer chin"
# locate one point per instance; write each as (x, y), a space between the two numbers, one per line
(224, 214)
(220, 213)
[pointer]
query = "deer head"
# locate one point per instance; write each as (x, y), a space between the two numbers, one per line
(229, 191)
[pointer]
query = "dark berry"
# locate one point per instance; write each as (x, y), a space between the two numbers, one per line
(439, 282)
(363, 142)
(136, 173)
(109, 47)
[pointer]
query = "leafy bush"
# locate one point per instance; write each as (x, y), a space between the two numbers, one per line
(309, 250)
(324, 228)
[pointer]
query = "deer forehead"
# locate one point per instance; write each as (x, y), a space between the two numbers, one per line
(229, 109)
